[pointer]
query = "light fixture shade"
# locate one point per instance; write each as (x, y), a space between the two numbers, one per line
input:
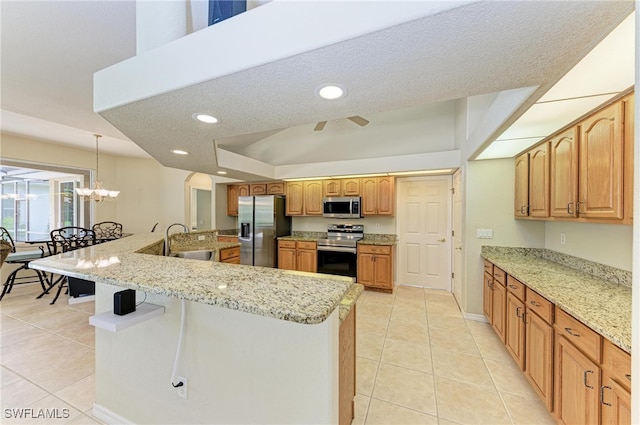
(114, 193)
(98, 192)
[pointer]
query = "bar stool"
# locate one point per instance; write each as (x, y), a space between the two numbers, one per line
(22, 258)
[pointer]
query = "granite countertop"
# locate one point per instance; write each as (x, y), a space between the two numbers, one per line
(304, 236)
(602, 305)
(281, 294)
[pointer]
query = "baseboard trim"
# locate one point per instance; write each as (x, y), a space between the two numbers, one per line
(475, 317)
(109, 417)
(80, 300)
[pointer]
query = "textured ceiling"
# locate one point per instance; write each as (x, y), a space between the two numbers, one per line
(473, 49)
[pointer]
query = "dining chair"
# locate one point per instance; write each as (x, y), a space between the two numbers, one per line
(22, 260)
(107, 230)
(63, 240)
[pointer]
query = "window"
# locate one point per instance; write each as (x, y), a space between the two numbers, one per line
(38, 198)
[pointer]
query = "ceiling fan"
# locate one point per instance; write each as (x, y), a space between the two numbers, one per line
(356, 119)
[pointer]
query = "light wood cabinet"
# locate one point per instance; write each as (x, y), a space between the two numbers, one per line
(564, 173)
(539, 181)
(600, 165)
(487, 296)
(498, 304)
(312, 197)
(294, 204)
(298, 255)
(332, 187)
(539, 356)
(577, 386)
(230, 255)
(347, 368)
(629, 131)
(521, 197)
(227, 238)
(378, 195)
(258, 189)
(275, 188)
(375, 266)
(233, 192)
(615, 396)
(516, 328)
(351, 187)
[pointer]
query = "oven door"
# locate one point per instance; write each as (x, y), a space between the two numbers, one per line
(336, 261)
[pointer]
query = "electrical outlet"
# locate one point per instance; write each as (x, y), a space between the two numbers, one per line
(563, 238)
(484, 233)
(201, 237)
(182, 389)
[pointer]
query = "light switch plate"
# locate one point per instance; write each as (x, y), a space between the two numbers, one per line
(484, 233)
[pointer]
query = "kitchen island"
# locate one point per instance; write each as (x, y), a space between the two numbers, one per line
(260, 345)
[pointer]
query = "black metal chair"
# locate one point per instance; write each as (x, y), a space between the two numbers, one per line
(107, 230)
(63, 240)
(22, 258)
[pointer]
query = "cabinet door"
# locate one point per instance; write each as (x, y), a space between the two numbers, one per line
(275, 188)
(487, 296)
(539, 357)
(498, 309)
(386, 195)
(629, 113)
(332, 187)
(600, 167)
(347, 368)
(232, 199)
(244, 190)
(514, 335)
(307, 260)
(539, 181)
(383, 271)
(365, 269)
(294, 204)
(369, 196)
(564, 173)
(351, 187)
(259, 189)
(287, 258)
(521, 203)
(615, 402)
(577, 386)
(313, 197)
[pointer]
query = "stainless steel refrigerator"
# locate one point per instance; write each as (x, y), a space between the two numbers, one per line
(262, 220)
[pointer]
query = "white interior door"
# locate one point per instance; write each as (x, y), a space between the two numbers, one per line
(424, 232)
(456, 279)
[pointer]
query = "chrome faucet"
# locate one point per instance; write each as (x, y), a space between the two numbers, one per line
(167, 241)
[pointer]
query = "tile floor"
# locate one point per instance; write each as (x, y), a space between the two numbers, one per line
(419, 362)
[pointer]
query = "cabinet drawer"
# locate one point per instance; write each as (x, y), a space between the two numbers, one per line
(515, 287)
(499, 275)
(224, 238)
(488, 267)
(374, 249)
(306, 245)
(617, 362)
(580, 335)
(539, 304)
(287, 244)
(229, 253)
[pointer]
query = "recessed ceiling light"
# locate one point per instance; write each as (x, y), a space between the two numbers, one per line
(222, 172)
(179, 152)
(331, 91)
(205, 118)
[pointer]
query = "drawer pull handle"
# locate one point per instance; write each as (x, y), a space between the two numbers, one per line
(569, 208)
(602, 395)
(513, 287)
(628, 377)
(535, 304)
(518, 312)
(585, 379)
(571, 332)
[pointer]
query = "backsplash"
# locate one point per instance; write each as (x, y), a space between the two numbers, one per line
(309, 234)
(608, 273)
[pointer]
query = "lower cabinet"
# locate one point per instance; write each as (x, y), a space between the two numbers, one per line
(298, 255)
(375, 266)
(347, 369)
(227, 238)
(230, 255)
(581, 377)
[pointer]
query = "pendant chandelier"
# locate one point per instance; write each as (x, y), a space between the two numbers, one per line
(97, 193)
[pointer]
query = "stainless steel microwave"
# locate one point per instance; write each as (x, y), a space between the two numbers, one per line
(344, 207)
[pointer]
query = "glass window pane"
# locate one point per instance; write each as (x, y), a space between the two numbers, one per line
(67, 204)
(39, 214)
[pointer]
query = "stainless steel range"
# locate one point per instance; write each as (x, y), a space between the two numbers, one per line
(337, 253)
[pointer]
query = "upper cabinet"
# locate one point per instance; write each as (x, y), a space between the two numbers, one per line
(582, 173)
(233, 192)
(332, 187)
(378, 195)
(600, 187)
(313, 197)
(532, 183)
(294, 191)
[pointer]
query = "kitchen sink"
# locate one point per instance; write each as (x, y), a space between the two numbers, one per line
(206, 255)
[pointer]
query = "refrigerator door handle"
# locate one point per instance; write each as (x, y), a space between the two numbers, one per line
(245, 231)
